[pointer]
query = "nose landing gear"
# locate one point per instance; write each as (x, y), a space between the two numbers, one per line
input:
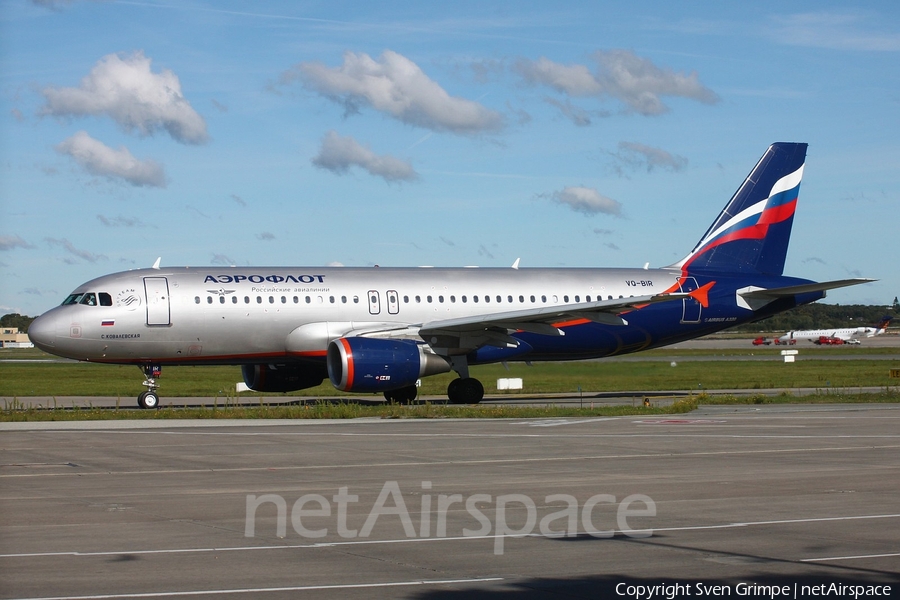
(150, 399)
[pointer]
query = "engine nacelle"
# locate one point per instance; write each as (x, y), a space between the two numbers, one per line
(357, 364)
(282, 378)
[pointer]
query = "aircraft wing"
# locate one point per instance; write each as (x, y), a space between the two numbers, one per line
(463, 334)
(542, 320)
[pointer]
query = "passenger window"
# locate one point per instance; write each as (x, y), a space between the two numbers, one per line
(259, 299)
(209, 299)
(283, 300)
(196, 299)
(105, 299)
(234, 299)
(246, 299)
(221, 299)
(429, 299)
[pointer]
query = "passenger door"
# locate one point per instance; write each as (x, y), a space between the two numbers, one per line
(157, 294)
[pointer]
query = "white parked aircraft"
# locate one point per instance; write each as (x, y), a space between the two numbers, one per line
(846, 334)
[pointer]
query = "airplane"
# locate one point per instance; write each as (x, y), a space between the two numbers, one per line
(379, 330)
(846, 335)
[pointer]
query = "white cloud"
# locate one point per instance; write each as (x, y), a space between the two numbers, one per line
(636, 156)
(8, 242)
(100, 159)
(222, 259)
(836, 31)
(573, 80)
(126, 90)
(338, 154)
(71, 249)
(121, 221)
(395, 85)
(620, 74)
(587, 200)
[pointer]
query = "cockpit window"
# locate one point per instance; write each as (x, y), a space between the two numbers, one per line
(72, 299)
(105, 299)
(89, 299)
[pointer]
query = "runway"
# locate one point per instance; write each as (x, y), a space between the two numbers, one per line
(774, 495)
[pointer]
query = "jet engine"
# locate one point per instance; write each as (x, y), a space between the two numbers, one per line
(357, 364)
(282, 378)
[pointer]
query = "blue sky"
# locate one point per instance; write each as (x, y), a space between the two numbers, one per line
(446, 134)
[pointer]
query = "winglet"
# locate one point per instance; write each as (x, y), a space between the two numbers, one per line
(156, 264)
(515, 265)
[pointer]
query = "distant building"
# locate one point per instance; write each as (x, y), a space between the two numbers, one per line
(11, 338)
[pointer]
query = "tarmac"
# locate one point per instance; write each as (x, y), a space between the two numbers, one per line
(767, 495)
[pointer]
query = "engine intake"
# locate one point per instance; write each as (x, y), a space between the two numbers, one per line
(282, 378)
(357, 364)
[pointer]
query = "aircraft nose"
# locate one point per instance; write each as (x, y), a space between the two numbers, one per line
(42, 332)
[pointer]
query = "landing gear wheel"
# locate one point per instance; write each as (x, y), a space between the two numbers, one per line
(467, 390)
(404, 395)
(148, 400)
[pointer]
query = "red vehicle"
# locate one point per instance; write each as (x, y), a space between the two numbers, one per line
(761, 341)
(790, 342)
(825, 340)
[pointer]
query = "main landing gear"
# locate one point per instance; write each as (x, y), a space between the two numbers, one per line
(150, 399)
(465, 390)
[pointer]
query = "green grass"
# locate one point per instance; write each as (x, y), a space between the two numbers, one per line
(86, 379)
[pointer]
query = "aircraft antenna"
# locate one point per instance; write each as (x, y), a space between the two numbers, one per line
(156, 264)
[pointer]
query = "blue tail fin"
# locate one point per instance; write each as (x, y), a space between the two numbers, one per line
(752, 232)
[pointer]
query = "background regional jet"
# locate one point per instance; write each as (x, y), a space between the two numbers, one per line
(381, 329)
(847, 334)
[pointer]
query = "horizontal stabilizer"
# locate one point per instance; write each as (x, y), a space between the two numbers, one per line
(793, 290)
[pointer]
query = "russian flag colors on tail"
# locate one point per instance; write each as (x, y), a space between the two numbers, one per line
(752, 232)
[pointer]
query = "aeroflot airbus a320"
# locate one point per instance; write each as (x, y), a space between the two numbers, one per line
(381, 329)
